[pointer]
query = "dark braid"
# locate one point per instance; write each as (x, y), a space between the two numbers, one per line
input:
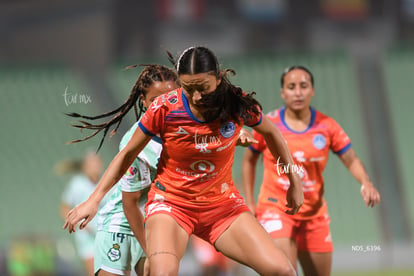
(150, 74)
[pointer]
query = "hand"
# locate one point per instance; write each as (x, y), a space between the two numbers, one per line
(370, 195)
(294, 197)
(84, 212)
(245, 138)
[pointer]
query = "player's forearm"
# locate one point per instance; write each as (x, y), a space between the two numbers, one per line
(112, 175)
(248, 178)
(136, 222)
(356, 168)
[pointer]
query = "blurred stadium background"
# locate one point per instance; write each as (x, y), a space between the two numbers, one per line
(68, 56)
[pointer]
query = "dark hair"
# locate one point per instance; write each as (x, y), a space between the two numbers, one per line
(227, 101)
(150, 74)
(293, 67)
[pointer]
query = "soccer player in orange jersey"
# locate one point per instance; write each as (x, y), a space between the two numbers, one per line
(193, 191)
(310, 135)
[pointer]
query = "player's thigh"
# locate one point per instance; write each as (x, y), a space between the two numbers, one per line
(140, 267)
(166, 242)
(247, 242)
(283, 229)
(288, 246)
(315, 263)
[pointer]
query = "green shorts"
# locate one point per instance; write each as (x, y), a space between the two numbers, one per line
(116, 252)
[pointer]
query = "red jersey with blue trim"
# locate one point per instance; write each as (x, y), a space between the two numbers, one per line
(310, 150)
(195, 166)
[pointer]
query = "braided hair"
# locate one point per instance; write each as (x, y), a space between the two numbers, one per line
(150, 74)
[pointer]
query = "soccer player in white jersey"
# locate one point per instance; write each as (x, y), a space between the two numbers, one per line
(117, 251)
(81, 185)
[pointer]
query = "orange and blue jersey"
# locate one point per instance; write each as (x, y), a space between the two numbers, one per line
(195, 166)
(310, 150)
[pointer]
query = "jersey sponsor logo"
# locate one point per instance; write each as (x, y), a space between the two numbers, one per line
(114, 254)
(319, 141)
(225, 146)
(159, 186)
(157, 103)
(299, 155)
(228, 130)
(201, 171)
(131, 171)
(172, 97)
(202, 165)
(181, 131)
(202, 141)
(316, 159)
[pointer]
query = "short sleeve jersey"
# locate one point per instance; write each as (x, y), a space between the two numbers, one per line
(195, 167)
(310, 150)
(111, 217)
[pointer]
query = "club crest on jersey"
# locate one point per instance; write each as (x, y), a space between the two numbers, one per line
(319, 141)
(172, 97)
(227, 130)
(114, 254)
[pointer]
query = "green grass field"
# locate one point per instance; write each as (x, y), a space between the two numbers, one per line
(376, 273)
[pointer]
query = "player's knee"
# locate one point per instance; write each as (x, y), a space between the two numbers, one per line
(279, 270)
(164, 268)
(163, 271)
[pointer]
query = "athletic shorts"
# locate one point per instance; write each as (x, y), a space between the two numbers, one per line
(311, 235)
(116, 252)
(207, 255)
(207, 222)
(84, 242)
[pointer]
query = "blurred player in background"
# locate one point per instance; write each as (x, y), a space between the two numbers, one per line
(310, 135)
(88, 171)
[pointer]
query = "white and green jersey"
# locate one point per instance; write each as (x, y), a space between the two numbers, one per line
(111, 217)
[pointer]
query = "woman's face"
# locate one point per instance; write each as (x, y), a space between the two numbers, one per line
(197, 85)
(156, 89)
(297, 90)
(92, 167)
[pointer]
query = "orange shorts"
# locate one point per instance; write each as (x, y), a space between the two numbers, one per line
(207, 222)
(311, 235)
(207, 255)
